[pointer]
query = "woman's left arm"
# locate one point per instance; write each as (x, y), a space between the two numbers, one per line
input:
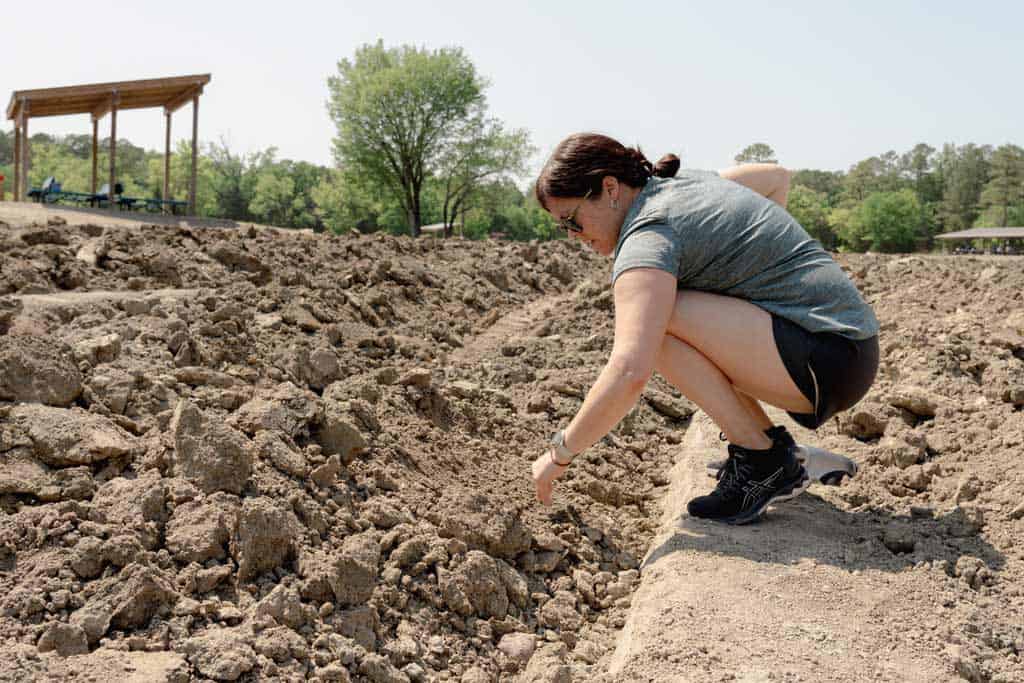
(644, 299)
(768, 180)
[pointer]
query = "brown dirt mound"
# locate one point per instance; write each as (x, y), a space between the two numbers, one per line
(252, 454)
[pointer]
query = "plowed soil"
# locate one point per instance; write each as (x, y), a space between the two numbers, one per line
(233, 452)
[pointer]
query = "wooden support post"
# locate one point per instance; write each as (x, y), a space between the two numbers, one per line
(95, 152)
(114, 101)
(26, 150)
(15, 196)
(195, 155)
(167, 160)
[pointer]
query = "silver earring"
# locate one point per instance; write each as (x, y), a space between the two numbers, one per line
(615, 203)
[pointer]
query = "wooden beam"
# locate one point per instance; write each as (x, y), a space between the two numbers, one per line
(113, 148)
(179, 101)
(173, 83)
(167, 160)
(195, 155)
(101, 110)
(95, 153)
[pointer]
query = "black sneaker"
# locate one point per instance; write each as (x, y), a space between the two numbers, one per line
(822, 466)
(751, 480)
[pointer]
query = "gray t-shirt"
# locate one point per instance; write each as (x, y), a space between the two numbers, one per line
(718, 236)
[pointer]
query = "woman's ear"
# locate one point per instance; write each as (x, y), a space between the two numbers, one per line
(610, 186)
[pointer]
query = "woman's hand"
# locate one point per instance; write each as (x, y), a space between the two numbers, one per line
(545, 472)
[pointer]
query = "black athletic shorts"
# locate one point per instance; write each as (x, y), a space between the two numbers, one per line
(833, 372)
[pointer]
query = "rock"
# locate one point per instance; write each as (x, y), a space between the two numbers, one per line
(322, 368)
(348, 576)
(280, 643)
(903, 448)
(237, 259)
(111, 387)
(518, 647)
(105, 349)
(222, 654)
(477, 584)
(37, 369)
(383, 514)
(65, 639)
(325, 475)
(284, 606)
(360, 624)
(137, 504)
(208, 452)
(378, 669)
(475, 520)
(972, 571)
(208, 579)
(548, 664)
(87, 560)
(200, 530)
(273, 448)
(338, 435)
(125, 601)
(417, 377)
(917, 478)
(560, 613)
(264, 537)
(286, 409)
(298, 316)
(917, 400)
(674, 408)
(62, 438)
(865, 421)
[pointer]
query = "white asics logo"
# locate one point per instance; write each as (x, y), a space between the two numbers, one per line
(754, 489)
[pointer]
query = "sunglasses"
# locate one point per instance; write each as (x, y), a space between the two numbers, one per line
(569, 223)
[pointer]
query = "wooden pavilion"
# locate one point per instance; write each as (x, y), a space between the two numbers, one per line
(984, 234)
(98, 100)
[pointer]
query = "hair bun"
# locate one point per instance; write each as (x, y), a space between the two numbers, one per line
(667, 166)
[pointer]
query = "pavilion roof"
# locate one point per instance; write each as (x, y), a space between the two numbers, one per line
(984, 234)
(94, 98)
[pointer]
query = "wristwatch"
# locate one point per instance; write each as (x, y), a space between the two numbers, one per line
(560, 451)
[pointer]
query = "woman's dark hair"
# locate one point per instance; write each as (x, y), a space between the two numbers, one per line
(582, 160)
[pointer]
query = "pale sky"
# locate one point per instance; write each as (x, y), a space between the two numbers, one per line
(826, 84)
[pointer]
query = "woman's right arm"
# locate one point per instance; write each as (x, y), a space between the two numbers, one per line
(768, 180)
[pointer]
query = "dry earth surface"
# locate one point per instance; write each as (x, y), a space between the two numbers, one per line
(233, 452)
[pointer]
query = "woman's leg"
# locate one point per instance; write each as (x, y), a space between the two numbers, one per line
(720, 353)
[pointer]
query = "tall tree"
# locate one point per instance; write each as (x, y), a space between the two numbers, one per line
(479, 151)
(1005, 188)
(394, 109)
(758, 152)
(964, 173)
(810, 209)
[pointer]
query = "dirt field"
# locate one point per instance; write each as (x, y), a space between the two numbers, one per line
(241, 453)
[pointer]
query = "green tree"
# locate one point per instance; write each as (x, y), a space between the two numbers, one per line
(964, 173)
(810, 209)
(479, 151)
(758, 152)
(828, 183)
(885, 222)
(394, 109)
(1005, 188)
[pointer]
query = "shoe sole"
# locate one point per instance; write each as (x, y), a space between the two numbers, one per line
(822, 466)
